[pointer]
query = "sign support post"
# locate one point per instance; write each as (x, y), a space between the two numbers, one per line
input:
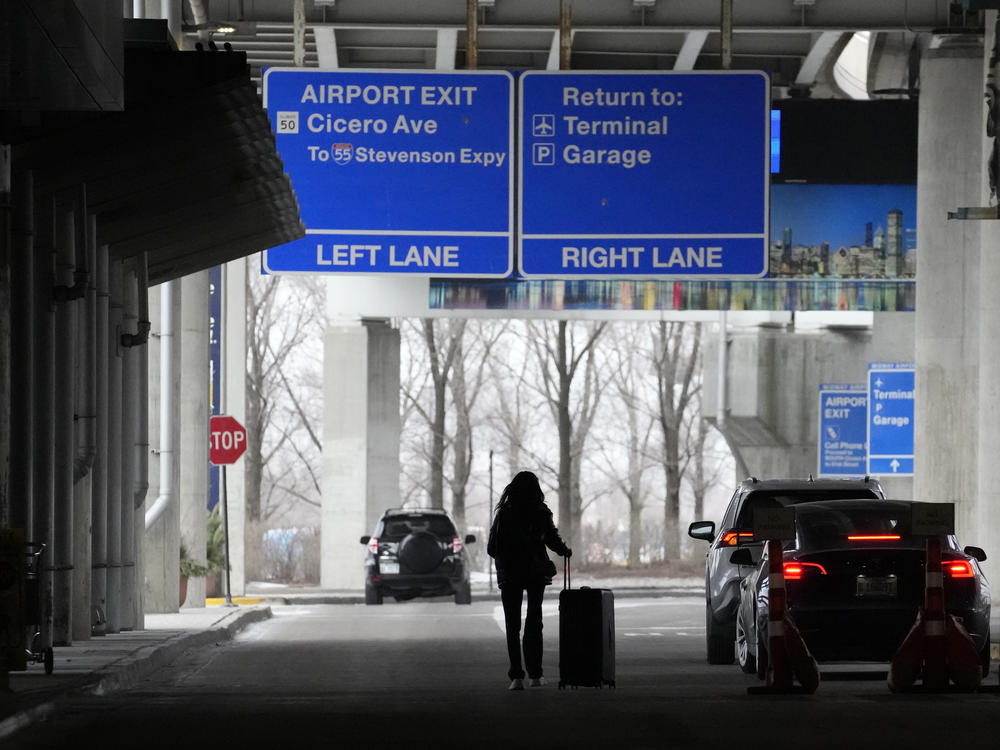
(227, 441)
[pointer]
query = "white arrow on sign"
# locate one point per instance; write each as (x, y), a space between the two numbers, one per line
(895, 465)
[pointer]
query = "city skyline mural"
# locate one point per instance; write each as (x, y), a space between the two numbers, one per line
(831, 247)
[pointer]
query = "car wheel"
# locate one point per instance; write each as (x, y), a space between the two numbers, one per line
(463, 594)
(373, 595)
(762, 659)
(746, 660)
(719, 638)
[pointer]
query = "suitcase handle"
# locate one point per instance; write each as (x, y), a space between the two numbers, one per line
(567, 580)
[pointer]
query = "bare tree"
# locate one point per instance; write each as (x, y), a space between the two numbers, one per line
(469, 371)
(631, 430)
(282, 445)
(442, 341)
(560, 356)
(704, 462)
(676, 357)
(515, 414)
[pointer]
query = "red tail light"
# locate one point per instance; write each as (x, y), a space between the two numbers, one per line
(373, 545)
(958, 568)
(456, 544)
(873, 538)
(795, 570)
(732, 538)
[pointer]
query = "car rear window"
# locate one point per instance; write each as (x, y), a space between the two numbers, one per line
(837, 525)
(400, 527)
(763, 499)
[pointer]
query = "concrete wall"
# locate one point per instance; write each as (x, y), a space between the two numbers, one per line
(773, 378)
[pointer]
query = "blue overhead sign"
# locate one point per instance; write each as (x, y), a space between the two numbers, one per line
(644, 174)
(890, 417)
(843, 415)
(396, 172)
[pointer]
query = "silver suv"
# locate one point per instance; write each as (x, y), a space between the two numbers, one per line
(722, 577)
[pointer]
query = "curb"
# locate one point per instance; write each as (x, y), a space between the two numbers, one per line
(136, 666)
(307, 599)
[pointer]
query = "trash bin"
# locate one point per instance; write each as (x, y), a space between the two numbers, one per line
(20, 603)
(37, 650)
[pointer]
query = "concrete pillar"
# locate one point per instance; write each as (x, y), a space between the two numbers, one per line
(99, 499)
(194, 377)
(361, 430)
(234, 388)
(986, 527)
(948, 277)
(161, 542)
(128, 616)
(22, 408)
(383, 420)
(344, 516)
(114, 508)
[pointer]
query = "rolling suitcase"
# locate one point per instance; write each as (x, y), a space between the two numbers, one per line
(586, 635)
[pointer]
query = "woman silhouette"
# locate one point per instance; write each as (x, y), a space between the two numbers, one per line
(521, 530)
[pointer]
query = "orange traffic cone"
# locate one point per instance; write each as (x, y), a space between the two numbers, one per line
(964, 668)
(909, 657)
(803, 664)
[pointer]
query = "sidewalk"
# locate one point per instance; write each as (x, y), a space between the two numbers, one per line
(114, 662)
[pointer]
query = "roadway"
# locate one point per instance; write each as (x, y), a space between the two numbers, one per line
(433, 674)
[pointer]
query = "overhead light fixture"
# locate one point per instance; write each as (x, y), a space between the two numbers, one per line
(803, 3)
(226, 30)
(325, 2)
(486, 3)
(643, 3)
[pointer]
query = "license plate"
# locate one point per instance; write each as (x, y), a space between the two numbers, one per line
(388, 567)
(876, 587)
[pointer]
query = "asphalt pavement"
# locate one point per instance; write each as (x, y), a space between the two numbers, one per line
(114, 662)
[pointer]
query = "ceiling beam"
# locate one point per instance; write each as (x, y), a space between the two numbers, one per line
(326, 46)
(446, 49)
(823, 44)
(688, 54)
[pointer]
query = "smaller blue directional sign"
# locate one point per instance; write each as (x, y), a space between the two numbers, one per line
(890, 417)
(627, 175)
(843, 415)
(401, 172)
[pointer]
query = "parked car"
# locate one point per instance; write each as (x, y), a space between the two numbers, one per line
(722, 578)
(416, 553)
(854, 578)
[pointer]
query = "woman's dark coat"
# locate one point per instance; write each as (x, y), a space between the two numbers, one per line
(517, 543)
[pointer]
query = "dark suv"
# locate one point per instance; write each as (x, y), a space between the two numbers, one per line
(416, 553)
(722, 577)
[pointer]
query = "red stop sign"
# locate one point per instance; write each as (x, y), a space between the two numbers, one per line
(227, 439)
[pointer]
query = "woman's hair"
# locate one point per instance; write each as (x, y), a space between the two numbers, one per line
(523, 492)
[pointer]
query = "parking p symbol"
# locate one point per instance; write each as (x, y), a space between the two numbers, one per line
(543, 154)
